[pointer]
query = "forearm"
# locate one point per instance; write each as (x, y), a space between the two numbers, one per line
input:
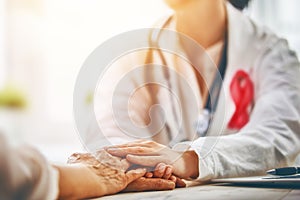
(270, 139)
(244, 154)
(78, 182)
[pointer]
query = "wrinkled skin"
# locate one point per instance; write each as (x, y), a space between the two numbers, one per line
(119, 166)
(111, 172)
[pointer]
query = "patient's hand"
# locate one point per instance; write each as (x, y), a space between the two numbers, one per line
(140, 184)
(150, 184)
(86, 177)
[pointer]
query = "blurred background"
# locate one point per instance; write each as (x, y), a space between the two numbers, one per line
(43, 44)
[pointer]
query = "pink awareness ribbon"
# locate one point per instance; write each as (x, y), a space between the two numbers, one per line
(242, 93)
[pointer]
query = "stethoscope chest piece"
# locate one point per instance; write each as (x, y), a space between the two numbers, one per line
(202, 123)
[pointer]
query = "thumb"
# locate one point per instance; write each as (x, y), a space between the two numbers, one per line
(149, 161)
(132, 175)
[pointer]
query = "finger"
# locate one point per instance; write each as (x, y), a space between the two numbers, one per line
(143, 143)
(149, 161)
(121, 152)
(104, 155)
(173, 178)
(180, 183)
(149, 175)
(84, 158)
(129, 144)
(135, 174)
(74, 158)
(159, 170)
(150, 184)
(168, 172)
(134, 166)
(125, 164)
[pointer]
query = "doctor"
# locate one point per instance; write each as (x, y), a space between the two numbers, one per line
(261, 82)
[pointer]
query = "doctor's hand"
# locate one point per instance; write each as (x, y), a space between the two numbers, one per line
(150, 154)
(87, 177)
(164, 171)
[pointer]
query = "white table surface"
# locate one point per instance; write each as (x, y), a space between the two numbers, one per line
(216, 191)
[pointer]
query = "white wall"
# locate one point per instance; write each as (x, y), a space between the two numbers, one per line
(281, 16)
(2, 57)
(48, 42)
(75, 28)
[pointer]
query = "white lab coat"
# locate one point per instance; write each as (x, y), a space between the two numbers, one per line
(271, 137)
(25, 174)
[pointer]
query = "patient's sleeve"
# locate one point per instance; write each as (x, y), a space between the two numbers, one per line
(25, 174)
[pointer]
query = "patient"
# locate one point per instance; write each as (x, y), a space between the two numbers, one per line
(25, 174)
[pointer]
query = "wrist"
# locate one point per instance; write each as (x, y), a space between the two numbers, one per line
(190, 164)
(64, 182)
(76, 181)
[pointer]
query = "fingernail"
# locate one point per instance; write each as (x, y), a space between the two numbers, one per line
(111, 149)
(140, 170)
(173, 178)
(150, 175)
(161, 168)
(169, 171)
(129, 156)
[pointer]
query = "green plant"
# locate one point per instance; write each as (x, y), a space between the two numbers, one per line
(11, 97)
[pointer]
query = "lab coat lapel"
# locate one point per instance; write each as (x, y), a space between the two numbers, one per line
(239, 57)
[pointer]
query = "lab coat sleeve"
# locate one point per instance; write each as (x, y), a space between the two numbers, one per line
(272, 137)
(25, 174)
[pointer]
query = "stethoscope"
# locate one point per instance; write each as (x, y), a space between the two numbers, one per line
(202, 124)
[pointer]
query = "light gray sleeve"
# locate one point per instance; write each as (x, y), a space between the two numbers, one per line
(272, 136)
(25, 174)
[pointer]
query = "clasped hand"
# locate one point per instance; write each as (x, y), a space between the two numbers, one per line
(114, 174)
(165, 160)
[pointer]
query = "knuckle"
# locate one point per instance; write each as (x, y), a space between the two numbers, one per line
(150, 142)
(140, 149)
(159, 183)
